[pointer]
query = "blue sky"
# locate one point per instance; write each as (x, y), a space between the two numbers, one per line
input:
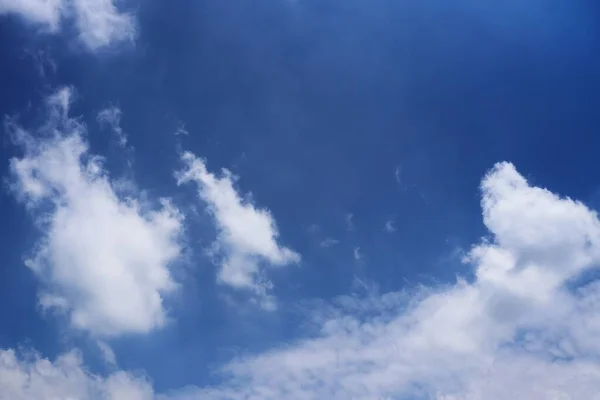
(309, 199)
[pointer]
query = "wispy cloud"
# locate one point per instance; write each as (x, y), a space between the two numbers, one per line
(390, 225)
(181, 130)
(99, 22)
(328, 242)
(398, 174)
(357, 254)
(111, 116)
(313, 228)
(107, 353)
(350, 222)
(247, 234)
(42, 61)
(103, 260)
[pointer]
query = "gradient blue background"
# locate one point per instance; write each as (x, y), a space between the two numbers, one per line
(315, 104)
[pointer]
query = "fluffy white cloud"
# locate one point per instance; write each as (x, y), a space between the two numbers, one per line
(518, 330)
(33, 378)
(522, 328)
(247, 235)
(104, 259)
(44, 12)
(111, 116)
(99, 22)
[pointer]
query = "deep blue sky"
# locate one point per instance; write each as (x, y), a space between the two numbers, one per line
(315, 105)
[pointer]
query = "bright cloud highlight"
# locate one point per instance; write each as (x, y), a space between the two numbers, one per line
(247, 235)
(104, 259)
(99, 22)
(521, 329)
(525, 325)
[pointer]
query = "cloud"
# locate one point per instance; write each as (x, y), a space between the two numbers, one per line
(99, 22)
(42, 61)
(104, 259)
(398, 174)
(521, 329)
(526, 326)
(107, 353)
(247, 235)
(181, 130)
(356, 253)
(328, 242)
(32, 377)
(350, 222)
(390, 226)
(43, 12)
(111, 116)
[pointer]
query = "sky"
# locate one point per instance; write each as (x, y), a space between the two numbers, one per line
(299, 199)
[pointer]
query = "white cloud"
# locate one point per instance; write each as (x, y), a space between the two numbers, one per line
(516, 331)
(398, 174)
(107, 353)
(390, 226)
(33, 377)
(350, 222)
(99, 22)
(43, 12)
(328, 242)
(111, 116)
(247, 235)
(356, 253)
(104, 260)
(181, 130)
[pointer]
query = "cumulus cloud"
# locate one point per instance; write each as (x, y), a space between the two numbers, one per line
(104, 259)
(247, 235)
(32, 377)
(522, 328)
(525, 326)
(99, 22)
(43, 12)
(111, 116)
